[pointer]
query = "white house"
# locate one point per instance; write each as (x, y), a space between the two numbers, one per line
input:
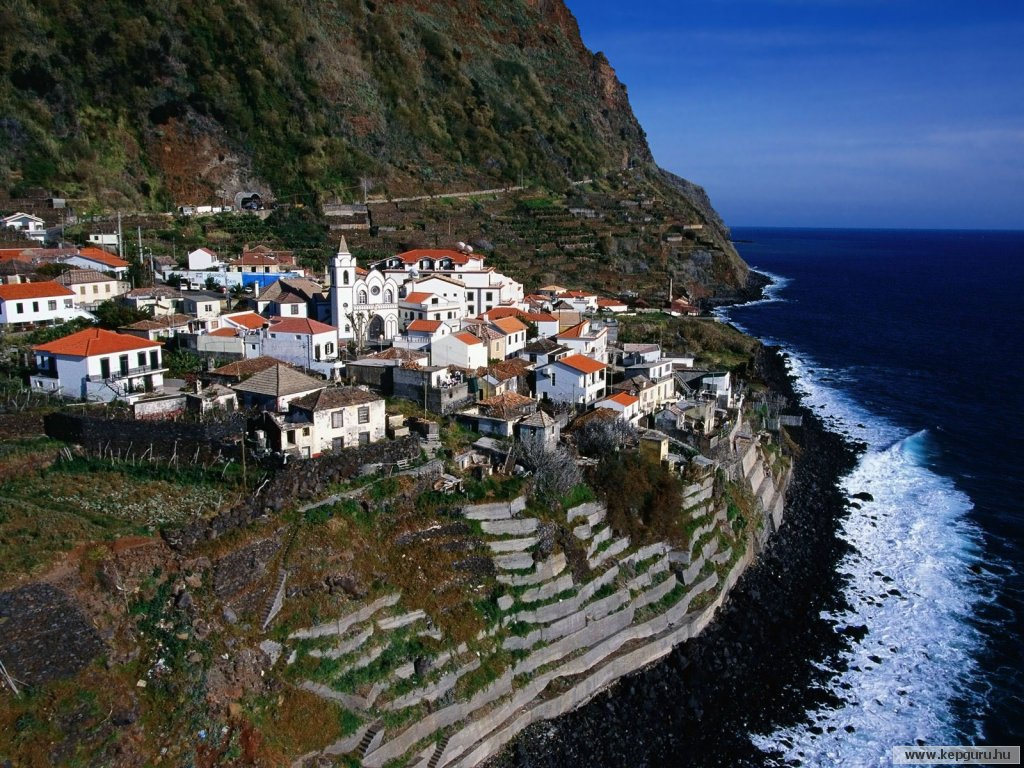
(32, 226)
(515, 334)
(420, 305)
(203, 258)
(95, 364)
(578, 301)
(300, 341)
(43, 302)
(627, 406)
(483, 287)
(202, 305)
(98, 259)
(422, 333)
(341, 417)
(462, 349)
(584, 340)
(573, 379)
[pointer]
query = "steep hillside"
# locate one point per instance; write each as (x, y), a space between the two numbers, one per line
(150, 105)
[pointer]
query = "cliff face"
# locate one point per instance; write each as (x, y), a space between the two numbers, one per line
(124, 105)
(303, 97)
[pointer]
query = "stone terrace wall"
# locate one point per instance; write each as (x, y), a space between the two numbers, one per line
(166, 439)
(300, 481)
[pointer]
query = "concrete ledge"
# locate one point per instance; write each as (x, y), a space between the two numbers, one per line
(395, 622)
(341, 626)
(512, 545)
(514, 527)
(514, 562)
(346, 647)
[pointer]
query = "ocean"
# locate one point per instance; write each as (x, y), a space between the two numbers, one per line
(910, 341)
(907, 343)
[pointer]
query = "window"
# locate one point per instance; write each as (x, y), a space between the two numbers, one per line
(348, 328)
(364, 414)
(344, 277)
(389, 296)
(105, 367)
(305, 431)
(95, 288)
(375, 291)
(69, 303)
(294, 309)
(51, 304)
(364, 438)
(490, 295)
(329, 348)
(552, 378)
(291, 437)
(142, 359)
(337, 443)
(106, 288)
(361, 299)
(154, 359)
(337, 420)
(35, 306)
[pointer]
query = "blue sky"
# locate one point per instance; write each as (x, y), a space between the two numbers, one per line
(845, 113)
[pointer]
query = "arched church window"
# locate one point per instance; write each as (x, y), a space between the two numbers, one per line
(389, 296)
(344, 276)
(362, 297)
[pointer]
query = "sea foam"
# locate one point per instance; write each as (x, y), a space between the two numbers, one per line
(909, 583)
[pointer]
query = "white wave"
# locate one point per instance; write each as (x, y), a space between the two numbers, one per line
(908, 584)
(771, 294)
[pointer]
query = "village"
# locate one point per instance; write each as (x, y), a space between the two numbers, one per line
(311, 358)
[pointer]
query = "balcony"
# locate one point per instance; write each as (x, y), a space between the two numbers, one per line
(120, 374)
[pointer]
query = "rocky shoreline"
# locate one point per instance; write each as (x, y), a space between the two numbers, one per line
(754, 667)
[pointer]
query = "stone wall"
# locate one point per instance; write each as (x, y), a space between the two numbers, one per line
(128, 437)
(297, 482)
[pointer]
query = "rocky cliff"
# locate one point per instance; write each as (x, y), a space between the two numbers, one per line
(133, 106)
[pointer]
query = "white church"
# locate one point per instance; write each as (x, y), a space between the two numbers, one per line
(365, 303)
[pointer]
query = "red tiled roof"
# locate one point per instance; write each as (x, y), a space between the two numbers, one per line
(425, 326)
(40, 290)
(95, 341)
(583, 364)
(576, 331)
(610, 303)
(15, 254)
(499, 312)
(574, 295)
(508, 324)
(103, 257)
(624, 399)
(540, 317)
(300, 325)
(467, 338)
(249, 320)
(224, 332)
(418, 297)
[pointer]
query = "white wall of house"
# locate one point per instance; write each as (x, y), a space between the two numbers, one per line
(316, 352)
(349, 426)
(590, 344)
(47, 309)
(121, 375)
(564, 384)
(452, 350)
